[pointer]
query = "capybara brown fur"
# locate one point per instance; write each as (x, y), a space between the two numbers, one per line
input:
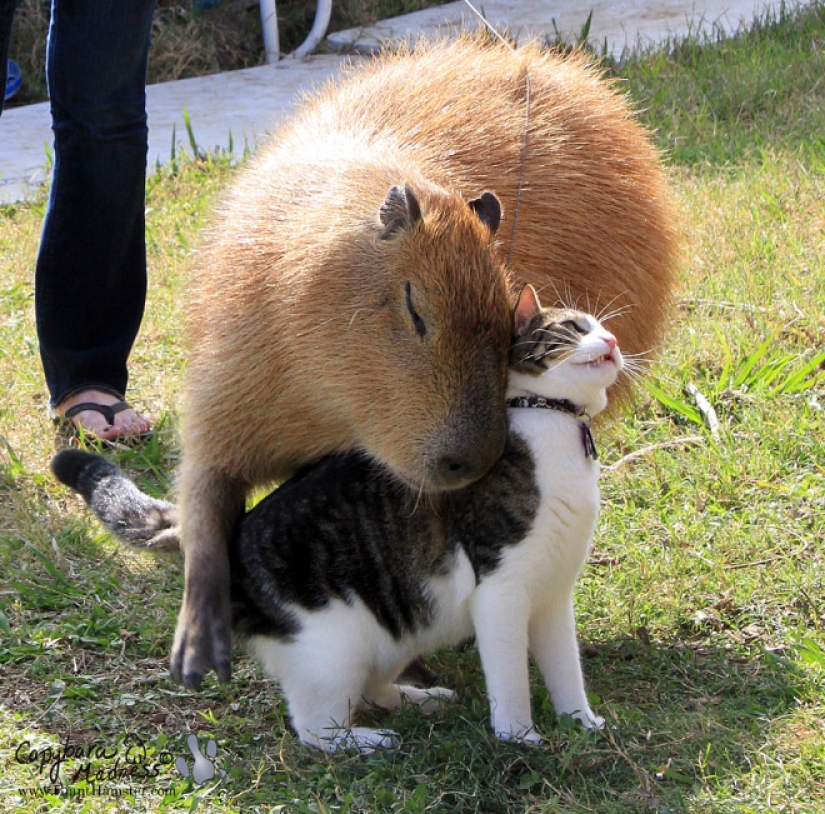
(353, 291)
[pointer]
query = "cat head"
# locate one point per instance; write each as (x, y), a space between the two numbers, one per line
(560, 353)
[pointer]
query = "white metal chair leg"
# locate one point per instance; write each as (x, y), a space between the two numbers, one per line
(269, 22)
(318, 31)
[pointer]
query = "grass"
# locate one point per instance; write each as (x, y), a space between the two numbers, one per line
(701, 612)
(741, 97)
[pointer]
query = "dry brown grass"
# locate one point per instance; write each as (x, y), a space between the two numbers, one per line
(185, 42)
(190, 42)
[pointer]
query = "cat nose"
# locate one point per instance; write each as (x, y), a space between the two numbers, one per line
(611, 342)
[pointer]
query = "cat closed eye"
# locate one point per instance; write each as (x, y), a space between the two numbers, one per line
(572, 325)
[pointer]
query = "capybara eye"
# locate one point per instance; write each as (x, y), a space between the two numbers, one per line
(420, 327)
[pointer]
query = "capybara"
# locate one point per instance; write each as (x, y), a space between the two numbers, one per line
(349, 297)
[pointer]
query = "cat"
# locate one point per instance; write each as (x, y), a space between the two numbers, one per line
(344, 574)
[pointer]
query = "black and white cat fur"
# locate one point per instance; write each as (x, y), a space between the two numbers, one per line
(343, 575)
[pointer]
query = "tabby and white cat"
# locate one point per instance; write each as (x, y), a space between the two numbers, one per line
(343, 575)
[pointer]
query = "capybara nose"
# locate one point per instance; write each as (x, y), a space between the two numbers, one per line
(454, 472)
(459, 469)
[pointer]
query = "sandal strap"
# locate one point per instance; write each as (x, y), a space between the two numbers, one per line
(108, 411)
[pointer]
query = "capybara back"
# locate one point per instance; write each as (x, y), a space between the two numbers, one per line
(597, 225)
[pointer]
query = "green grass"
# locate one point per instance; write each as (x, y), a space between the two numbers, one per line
(719, 100)
(701, 612)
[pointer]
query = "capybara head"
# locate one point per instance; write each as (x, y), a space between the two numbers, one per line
(423, 362)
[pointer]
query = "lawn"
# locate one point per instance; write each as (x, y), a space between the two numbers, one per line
(701, 612)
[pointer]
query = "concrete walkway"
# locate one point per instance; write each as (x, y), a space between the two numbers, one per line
(242, 106)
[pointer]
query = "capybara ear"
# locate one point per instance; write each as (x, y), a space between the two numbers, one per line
(527, 307)
(400, 210)
(488, 209)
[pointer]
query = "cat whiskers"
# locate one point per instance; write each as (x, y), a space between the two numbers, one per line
(565, 300)
(642, 356)
(560, 332)
(558, 358)
(562, 300)
(605, 315)
(636, 366)
(616, 312)
(561, 340)
(531, 340)
(635, 374)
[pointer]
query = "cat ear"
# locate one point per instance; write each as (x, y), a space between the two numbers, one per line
(488, 209)
(400, 210)
(527, 308)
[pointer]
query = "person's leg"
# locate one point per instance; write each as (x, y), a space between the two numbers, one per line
(6, 15)
(90, 280)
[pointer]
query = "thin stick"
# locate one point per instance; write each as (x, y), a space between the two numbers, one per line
(783, 555)
(720, 305)
(489, 25)
(521, 168)
(632, 456)
(706, 408)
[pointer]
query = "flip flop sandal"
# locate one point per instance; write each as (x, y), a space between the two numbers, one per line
(108, 411)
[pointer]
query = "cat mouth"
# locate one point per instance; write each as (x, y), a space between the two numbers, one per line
(606, 358)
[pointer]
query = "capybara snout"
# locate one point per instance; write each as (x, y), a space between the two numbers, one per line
(456, 441)
(468, 445)
(468, 458)
(460, 441)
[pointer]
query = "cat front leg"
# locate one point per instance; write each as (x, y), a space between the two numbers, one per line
(555, 648)
(501, 634)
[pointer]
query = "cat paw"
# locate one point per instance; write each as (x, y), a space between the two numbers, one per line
(517, 734)
(590, 721)
(360, 739)
(427, 700)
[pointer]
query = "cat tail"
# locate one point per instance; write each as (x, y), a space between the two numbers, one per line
(129, 514)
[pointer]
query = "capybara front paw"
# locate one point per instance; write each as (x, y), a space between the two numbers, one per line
(202, 642)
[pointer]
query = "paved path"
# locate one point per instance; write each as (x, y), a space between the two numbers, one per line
(244, 105)
(620, 23)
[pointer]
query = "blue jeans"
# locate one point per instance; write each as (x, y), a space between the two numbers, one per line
(90, 279)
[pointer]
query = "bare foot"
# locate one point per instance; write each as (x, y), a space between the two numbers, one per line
(127, 423)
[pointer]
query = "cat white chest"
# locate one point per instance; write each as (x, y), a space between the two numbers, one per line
(556, 547)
